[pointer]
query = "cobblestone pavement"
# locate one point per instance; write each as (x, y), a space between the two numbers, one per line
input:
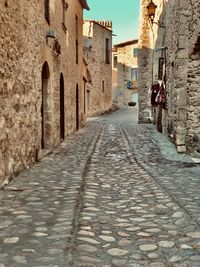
(107, 197)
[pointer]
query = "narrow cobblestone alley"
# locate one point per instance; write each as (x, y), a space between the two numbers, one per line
(109, 196)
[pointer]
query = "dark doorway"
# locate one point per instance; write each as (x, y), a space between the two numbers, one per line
(84, 96)
(62, 108)
(77, 107)
(45, 108)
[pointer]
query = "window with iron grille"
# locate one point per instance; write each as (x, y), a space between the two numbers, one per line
(46, 11)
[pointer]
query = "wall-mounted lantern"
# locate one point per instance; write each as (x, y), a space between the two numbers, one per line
(151, 8)
(151, 11)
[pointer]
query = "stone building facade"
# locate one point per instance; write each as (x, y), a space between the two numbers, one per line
(41, 78)
(125, 72)
(176, 32)
(97, 54)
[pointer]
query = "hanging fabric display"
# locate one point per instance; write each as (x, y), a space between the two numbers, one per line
(158, 95)
(154, 92)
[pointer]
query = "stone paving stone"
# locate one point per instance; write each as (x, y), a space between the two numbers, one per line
(37, 209)
(117, 252)
(105, 197)
(148, 226)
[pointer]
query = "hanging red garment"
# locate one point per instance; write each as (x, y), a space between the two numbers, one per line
(154, 92)
(163, 97)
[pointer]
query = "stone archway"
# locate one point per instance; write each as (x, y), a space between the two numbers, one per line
(46, 108)
(62, 108)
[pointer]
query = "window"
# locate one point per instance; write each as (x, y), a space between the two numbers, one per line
(76, 27)
(65, 6)
(103, 86)
(107, 51)
(134, 74)
(88, 100)
(135, 52)
(77, 44)
(115, 61)
(46, 11)
(76, 51)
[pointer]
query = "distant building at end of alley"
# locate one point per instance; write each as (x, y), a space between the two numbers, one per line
(125, 72)
(97, 55)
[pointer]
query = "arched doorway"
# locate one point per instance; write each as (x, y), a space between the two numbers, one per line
(46, 108)
(77, 107)
(62, 108)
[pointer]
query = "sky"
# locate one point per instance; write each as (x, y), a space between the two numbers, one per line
(123, 13)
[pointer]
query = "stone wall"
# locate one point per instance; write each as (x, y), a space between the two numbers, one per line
(25, 54)
(178, 42)
(175, 39)
(99, 90)
(193, 88)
